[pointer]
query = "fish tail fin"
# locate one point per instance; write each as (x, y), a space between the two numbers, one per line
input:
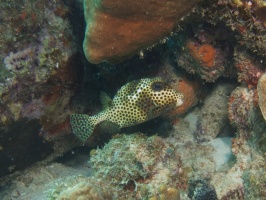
(82, 125)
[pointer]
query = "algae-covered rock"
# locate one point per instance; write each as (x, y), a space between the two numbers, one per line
(201, 190)
(80, 188)
(214, 117)
(38, 72)
(139, 163)
(244, 18)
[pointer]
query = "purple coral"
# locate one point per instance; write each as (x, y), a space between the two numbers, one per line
(17, 61)
(33, 110)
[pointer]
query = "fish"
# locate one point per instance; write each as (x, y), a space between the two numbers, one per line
(134, 103)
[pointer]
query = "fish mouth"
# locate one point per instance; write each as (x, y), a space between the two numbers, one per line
(179, 102)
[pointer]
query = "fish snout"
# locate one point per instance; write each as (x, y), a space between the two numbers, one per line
(180, 99)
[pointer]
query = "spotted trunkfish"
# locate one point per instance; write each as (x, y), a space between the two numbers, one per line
(134, 103)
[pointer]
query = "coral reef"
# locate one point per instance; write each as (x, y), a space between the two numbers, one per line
(214, 112)
(134, 162)
(205, 53)
(249, 160)
(118, 29)
(215, 57)
(80, 188)
(249, 70)
(121, 166)
(38, 75)
(143, 167)
(38, 63)
(200, 52)
(166, 193)
(241, 108)
(169, 169)
(40, 181)
(255, 177)
(211, 119)
(204, 58)
(200, 189)
(243, 17)
(25, 58)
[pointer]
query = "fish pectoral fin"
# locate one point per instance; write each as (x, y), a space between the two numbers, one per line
(109, 127)
(105, 100)
(82, 126)
(154, 111)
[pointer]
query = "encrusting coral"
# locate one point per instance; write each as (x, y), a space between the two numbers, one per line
(205, 53)
(202, 59)
(28, 57)
(131, 167)
(246, 18)
(240, 108)
(214, 112)
(37, 76)
(200, 52)
(119, 29)
(249, 70)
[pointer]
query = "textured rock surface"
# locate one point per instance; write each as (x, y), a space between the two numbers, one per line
(38, 71)
(135, 161)
(37, 182)
(207, 121)
(214, 113)
(119, 29)
(82, 188)
(246, 19)
(228, 170)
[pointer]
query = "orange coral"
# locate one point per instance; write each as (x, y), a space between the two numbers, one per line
(205, 53)
(119, 29)
(205, 60)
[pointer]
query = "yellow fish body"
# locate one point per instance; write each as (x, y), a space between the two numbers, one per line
(136, 102)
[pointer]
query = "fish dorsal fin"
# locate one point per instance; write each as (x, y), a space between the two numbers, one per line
(105, 100)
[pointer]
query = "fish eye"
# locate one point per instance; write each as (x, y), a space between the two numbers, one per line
(157, 87)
